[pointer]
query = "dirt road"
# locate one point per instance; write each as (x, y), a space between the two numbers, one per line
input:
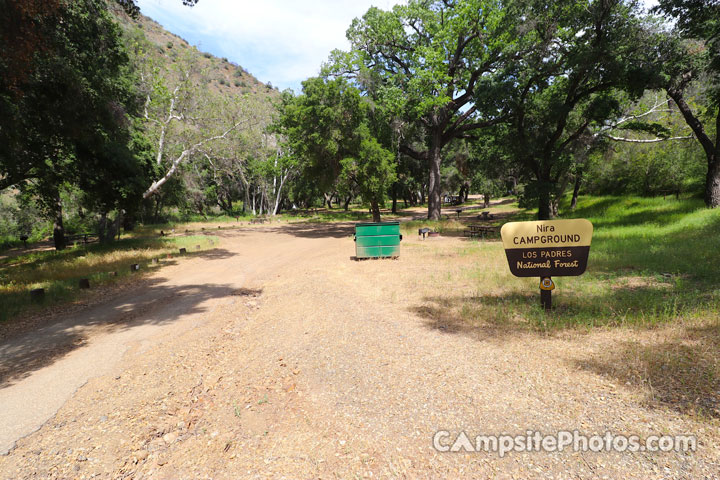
(276, 356)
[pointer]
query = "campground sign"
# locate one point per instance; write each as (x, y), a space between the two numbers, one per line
(547, 248)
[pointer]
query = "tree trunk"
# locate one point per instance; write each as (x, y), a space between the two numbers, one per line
(58, 227)
(102, 227)
(712, 182)
(246, 191)
(712, 149)
(514, 181)
(544, 205)
(158, 202)
(576, 191)
(375, 209)
(486, 200)
(328, 200)
(348, 199)
(394, 197)
(434, 202)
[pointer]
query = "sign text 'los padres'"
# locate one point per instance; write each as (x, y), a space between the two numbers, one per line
(547, 248)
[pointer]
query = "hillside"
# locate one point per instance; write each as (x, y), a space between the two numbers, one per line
(223, 76)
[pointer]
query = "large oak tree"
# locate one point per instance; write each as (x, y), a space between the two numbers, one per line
(578, 54)
(433, 63)
(691, 55)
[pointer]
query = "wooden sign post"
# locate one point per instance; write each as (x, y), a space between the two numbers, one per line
(547, 248)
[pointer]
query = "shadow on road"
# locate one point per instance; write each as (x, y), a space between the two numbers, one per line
(315, 230)
(148, 304)
(467, 316)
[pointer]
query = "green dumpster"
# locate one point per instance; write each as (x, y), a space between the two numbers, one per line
(375, 240)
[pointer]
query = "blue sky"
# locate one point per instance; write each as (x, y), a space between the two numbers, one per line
(278, 41)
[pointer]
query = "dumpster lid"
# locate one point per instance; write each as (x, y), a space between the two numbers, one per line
(376, 224)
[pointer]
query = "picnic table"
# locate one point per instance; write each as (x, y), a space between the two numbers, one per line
(452, 199)
(85, 237)
(474, 231)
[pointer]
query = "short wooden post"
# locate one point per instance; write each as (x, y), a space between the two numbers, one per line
(134, 267)
(546, 288)
(183, 251)
(37, 294)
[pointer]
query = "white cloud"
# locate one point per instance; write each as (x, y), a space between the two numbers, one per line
(282, 41)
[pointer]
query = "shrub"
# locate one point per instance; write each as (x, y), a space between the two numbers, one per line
(169, 44)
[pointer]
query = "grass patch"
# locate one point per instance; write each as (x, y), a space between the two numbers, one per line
(652, 261)
(60, 272)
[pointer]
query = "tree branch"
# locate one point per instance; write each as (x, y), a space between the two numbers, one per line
(411, 152)
(176, 163)
(694, 123)
(639, 140)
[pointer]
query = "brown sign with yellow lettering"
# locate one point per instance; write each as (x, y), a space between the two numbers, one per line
(547, 248)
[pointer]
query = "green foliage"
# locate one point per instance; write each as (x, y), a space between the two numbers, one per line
(20, 216)
(436, 68)
(604, 51)
(651, 169)
(372, 170)
(331, 130)
(698, 19)
(67, 120)
(690, 55)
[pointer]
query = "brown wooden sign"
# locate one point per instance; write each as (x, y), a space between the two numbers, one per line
(547, 248)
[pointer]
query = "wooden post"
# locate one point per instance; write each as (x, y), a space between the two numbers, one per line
(546, 299)
(546, 286)
(37, 295)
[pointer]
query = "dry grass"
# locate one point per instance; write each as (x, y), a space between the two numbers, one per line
(464, 287)
(59, 272)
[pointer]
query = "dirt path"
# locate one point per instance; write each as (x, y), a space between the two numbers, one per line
(276, 356)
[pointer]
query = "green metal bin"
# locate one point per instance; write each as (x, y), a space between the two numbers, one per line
(376, 240)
